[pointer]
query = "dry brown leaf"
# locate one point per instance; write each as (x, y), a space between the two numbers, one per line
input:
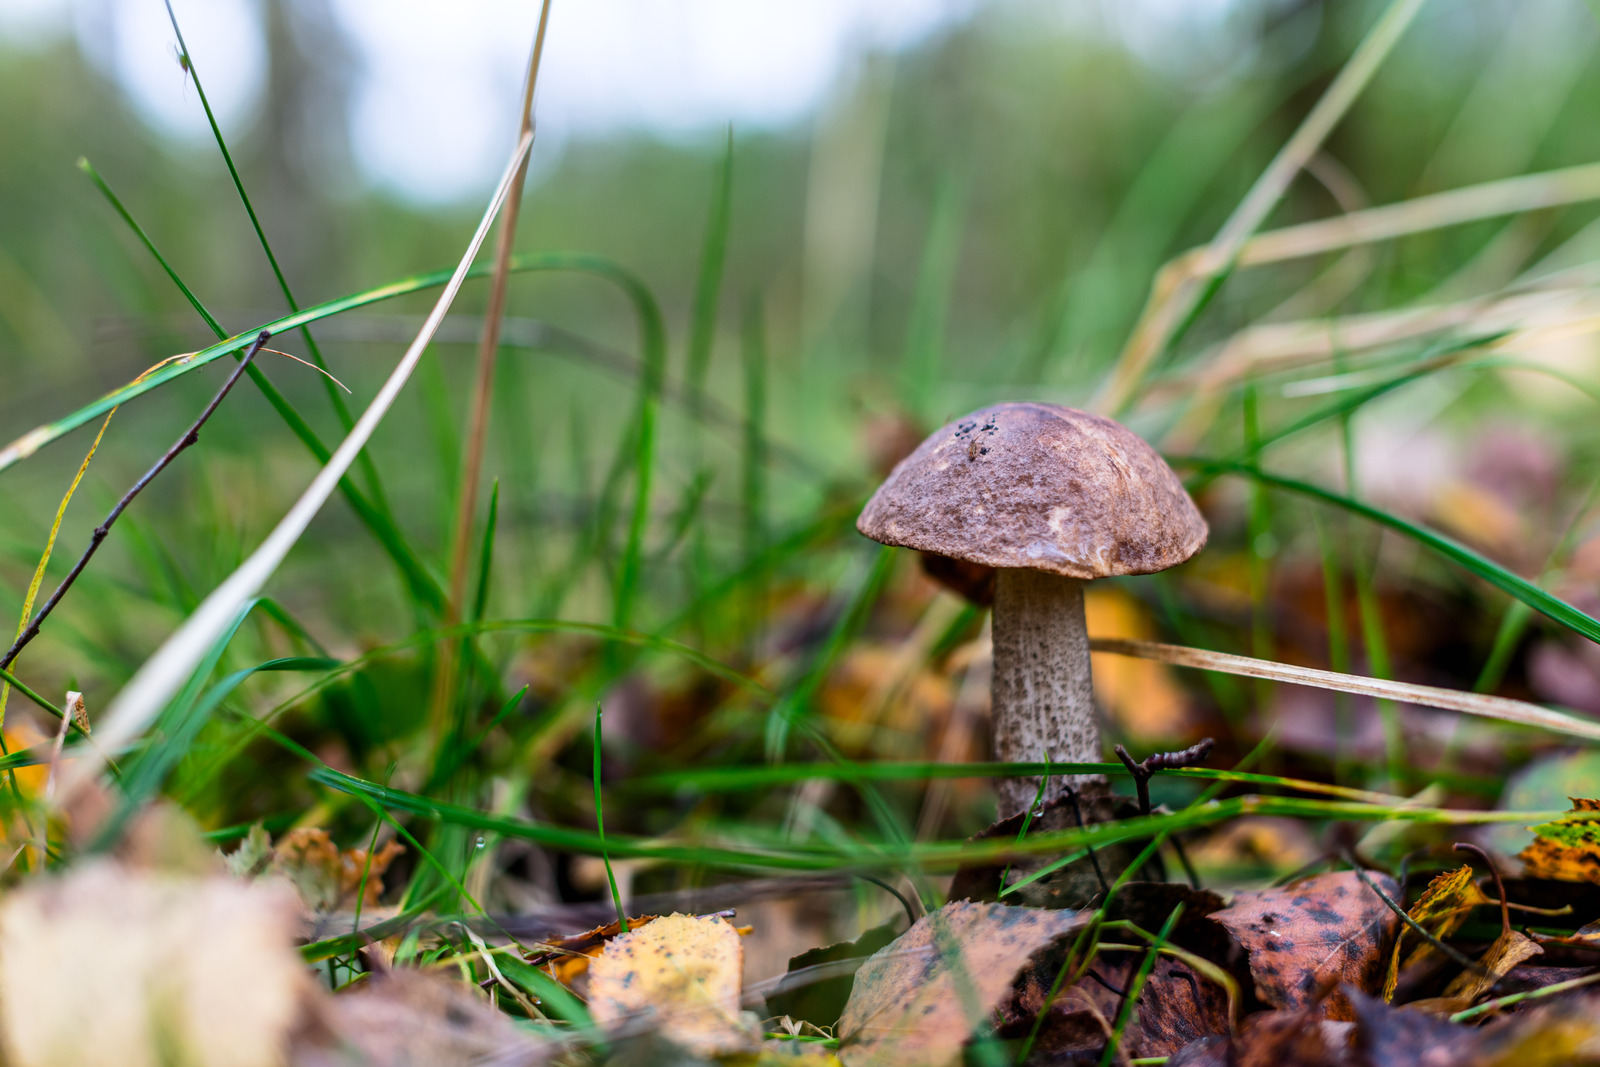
(410, 1017)
(1567, 850)
(918, 1000)
(116, 966)
(1508, 950)
(682, 971)
(326, 878)
(1318, 930)
(1440, 910)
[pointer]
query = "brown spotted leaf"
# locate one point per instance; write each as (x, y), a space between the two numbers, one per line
(1440, 910)
(683, 974)
(1320, 930)
(1567, 850)
(918, 1000)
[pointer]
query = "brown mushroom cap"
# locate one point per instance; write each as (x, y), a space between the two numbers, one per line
(1042, 487)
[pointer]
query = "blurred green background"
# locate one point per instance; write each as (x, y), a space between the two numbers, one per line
(975, 217)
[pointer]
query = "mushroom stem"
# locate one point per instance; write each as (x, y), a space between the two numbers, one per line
(1043, 699)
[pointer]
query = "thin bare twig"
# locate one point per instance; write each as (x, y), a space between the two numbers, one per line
(190, 436)
(1161, 761)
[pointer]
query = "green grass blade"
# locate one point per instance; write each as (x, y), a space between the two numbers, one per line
(942, 855)
(480, 595)
(753, 472)
(597, 266)
(346, 419)
(930, 300)
(600, 825)
(375, 517)
(708, 286)
(1552, 607)
(796, 704)
(653, 342)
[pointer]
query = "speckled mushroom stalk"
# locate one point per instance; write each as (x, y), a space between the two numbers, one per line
(1042, 696)
(1053, 498)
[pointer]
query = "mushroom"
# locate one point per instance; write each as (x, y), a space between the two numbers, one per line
(1052, 497)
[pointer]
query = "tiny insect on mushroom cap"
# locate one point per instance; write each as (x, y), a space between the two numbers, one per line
(1051, 497)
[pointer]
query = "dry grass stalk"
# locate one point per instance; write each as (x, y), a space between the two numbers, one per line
(483, 391)
(1503, 709)
(1175, 296)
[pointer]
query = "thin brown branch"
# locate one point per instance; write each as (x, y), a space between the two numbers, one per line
(190, 436)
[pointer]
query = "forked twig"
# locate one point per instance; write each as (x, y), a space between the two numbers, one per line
(190, 436)
(1161, 761)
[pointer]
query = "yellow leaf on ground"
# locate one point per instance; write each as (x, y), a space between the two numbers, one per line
(1567, 850)
(1440, 910)
(684, 973)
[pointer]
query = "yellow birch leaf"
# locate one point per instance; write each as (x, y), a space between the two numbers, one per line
(683, 971)
(1567, 850)
(1440, 910)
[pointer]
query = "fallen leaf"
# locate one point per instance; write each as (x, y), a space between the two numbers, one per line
(1567, 850)
(918, 1000)
(410, 1017)
(1542, 784)
(1587, 935)
(326, 878)
(1330, 927)
(1508, 950)
(818, 982)
(1389, 1035)
(1176, 1008)
(777, 1053)
(567, 958)
(683, 970)
(253, 857)
(113, 965)
(1182, 1000)
(1440, 910)
(1300, 1038)
(1561, 1033)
